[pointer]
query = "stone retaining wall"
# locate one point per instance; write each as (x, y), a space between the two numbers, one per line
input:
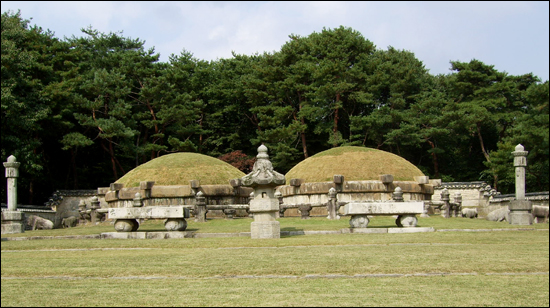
(316, 194)
(481, 196)
(65, 203)
(117, 196)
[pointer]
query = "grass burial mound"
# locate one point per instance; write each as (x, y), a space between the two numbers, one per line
(355, 164)
(180, 168)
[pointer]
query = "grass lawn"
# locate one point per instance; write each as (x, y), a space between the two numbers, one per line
(219, 225)
(496, 268)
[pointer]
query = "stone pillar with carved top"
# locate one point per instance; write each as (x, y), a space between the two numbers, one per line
(332, 204)
(200, 207)
(264, 206)
(446, 207)
(96, 215)
(12, 219)
(520, 209)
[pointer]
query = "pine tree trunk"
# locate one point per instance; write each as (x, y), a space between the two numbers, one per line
(434, 160)
(303, 135)
(73, 166)
(335, 127)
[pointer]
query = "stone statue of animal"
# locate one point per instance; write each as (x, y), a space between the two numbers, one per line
(502, 214)
(540, 213)
(469, 213)
(69, 222)
(35, 222)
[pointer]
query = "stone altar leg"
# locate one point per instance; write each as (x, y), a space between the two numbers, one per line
(175, 224)
(406, 221)
(359, 221)
(126, 225)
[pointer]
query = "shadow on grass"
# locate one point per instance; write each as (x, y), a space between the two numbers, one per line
(292, 229)
(161, 229)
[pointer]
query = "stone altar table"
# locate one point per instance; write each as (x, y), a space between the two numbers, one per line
(405, 211)
(126, 218)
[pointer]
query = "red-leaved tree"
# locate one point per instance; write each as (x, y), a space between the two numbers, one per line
(239, 160)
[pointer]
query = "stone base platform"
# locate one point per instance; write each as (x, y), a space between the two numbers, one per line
(387, 230)
(265, 229)
(520, 212)
(13, 222)
(190, 234)
(148, 235)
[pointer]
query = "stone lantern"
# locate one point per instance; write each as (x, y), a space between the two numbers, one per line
(264, 206)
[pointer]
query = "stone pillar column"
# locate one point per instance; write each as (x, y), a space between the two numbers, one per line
(200, 207)
(12, 173)
(282, 209)
(138, 201)
(520, 209)
(332, 205)
(520, 162)
(94, 203)
(84, 213)
(426, 209)
(97, 216)
(264, 206)
(446, 207)
(397, 194)
(250, 198)
(458, 205)
(12, 220)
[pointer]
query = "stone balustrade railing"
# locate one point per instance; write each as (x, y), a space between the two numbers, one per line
(333, 206)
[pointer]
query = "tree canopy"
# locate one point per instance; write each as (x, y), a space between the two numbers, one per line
(80, 112)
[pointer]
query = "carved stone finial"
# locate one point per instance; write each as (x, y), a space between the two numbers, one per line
(519, 151)
(332, 192)
(397, 194)
(445, 194)
(262, 152)
(11, 159)
(137, 200)
(519, 148)
(262, 172)
(12, 167)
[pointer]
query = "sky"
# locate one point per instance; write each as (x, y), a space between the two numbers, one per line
(512, 36)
